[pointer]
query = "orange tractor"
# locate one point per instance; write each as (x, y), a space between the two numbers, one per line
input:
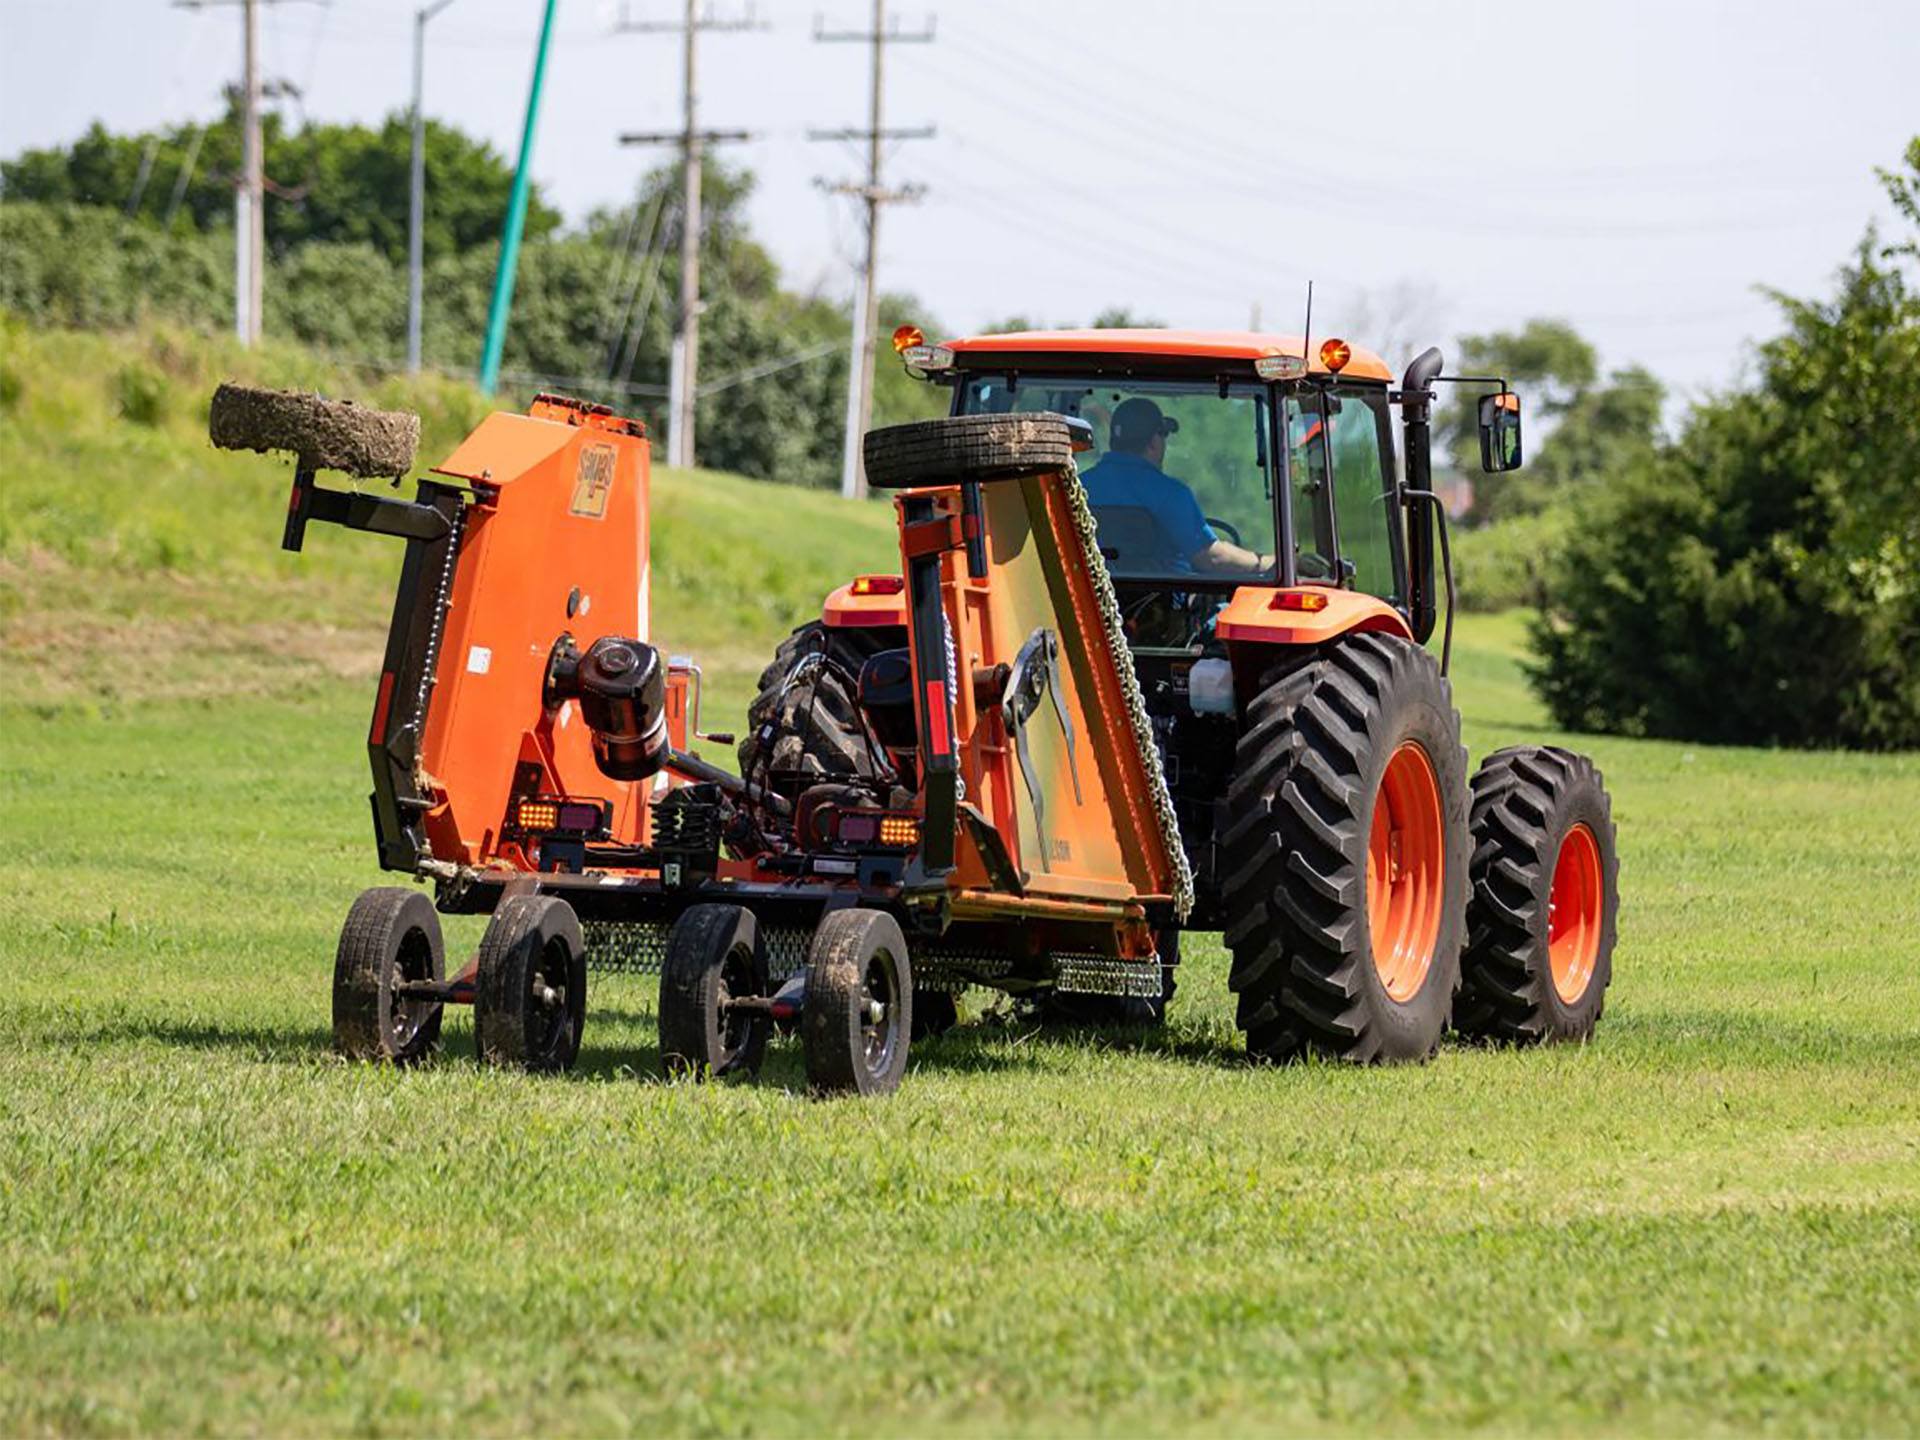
(1150, 662)
(1271, 573)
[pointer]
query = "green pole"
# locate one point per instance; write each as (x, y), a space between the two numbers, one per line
(516, 221)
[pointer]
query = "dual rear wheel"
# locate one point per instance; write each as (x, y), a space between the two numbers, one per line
(1369, 903)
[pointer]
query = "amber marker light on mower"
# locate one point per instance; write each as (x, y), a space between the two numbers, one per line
(883, 829)
(907, 336)
(562, 815)
(1334, 354)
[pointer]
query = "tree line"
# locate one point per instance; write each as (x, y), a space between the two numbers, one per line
(1753, 577)
(94, 235)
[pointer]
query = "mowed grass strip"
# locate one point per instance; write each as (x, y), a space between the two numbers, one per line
(1707, 1220)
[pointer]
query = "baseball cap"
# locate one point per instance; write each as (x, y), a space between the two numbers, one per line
(1138, 420)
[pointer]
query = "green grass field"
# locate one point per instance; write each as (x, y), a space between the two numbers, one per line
(1708, 1221)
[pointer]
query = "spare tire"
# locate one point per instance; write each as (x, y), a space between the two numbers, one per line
(324, 434)
(966, 447)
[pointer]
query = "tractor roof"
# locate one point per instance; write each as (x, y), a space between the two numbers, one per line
(1245, 345)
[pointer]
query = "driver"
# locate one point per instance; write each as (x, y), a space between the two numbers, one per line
(1129, 474)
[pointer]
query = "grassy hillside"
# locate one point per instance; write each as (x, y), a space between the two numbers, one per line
(136, 560)
(1708, 1221)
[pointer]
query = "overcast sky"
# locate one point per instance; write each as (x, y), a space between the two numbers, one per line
(1637, 168)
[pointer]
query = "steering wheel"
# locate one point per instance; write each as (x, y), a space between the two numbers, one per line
(1233, 532)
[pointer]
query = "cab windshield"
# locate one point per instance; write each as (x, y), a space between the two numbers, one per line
(1179, 479)
(1182, 486)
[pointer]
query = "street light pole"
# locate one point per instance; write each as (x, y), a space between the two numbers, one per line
(417, 206)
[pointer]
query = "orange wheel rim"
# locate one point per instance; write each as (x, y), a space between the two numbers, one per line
(1406, 871)
(1573, 914)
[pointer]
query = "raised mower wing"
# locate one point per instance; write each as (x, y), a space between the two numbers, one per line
(1023, 673)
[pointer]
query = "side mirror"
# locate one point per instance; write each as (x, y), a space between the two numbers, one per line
(1500, 432)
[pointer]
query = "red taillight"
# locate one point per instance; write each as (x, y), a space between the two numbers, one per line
(1311, 601)
(879, 585)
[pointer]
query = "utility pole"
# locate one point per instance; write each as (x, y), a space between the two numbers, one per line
(684, 367)
(417, 188)
(249, 199)
(873, 195)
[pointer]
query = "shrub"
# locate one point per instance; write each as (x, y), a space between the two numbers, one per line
(1759, 581)
(141, 394)
(1505, 565)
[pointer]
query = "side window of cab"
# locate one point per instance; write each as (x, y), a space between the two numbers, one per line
(1363, 488)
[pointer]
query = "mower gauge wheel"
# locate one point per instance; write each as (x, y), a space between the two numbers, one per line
(713, 958)
(391, 936)
(530, 995)
(858, 1019)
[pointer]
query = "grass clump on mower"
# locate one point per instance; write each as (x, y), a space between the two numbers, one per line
(323, 434)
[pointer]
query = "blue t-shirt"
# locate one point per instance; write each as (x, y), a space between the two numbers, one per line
(1133, 480)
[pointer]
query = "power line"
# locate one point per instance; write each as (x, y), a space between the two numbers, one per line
(684, 368)
(873, 194)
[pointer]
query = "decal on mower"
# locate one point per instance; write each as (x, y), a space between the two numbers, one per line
(593, 481)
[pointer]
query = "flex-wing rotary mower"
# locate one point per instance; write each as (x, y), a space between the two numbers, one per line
(1010, 825)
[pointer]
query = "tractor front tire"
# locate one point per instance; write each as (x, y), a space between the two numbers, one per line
(1546, 899)
(392, 935)
(1345, 855)
(713, 956)
(530, 995)
(807, 732)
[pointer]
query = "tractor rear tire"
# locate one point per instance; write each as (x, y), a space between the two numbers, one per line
(530, 995)
(858, 960)
(966, 447)
(1542, 919)
(391, 935)
(808, 733)
(713, 955)
(1345, 855)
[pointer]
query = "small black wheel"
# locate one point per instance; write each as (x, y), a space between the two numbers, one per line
(391, 936)
(858, 1018)
(530, 996)
(1542, 916)
(713, 957)
(935, 1012)
(966, 447)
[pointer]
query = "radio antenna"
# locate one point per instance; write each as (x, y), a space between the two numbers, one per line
(1306, 338)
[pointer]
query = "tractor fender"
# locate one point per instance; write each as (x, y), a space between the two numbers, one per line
(866, 601)
(1262, 617)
